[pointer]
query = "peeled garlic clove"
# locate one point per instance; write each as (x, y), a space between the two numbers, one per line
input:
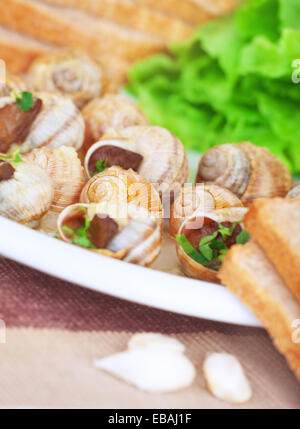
(111, 111)
(69, 73)
(226, 379)
(59, 123)
(155, 340)
(27, 195)
(150, 369)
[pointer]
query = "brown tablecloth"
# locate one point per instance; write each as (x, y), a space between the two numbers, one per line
(56, 329)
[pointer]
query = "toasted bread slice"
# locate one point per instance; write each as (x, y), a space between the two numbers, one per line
(18, 51)
(76, 29)
(275, 226)
(133, 14)
(248, 273)
(193, 11)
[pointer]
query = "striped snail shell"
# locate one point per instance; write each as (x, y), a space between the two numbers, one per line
(138, 239)
(247, 170)
(69, 73)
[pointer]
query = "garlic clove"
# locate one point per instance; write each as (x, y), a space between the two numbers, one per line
(226, 379)
(151, 369)
(150, 339)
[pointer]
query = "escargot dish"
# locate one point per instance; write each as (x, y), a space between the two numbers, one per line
(67, 176)
(109, 112)
(247, 170)
(135, 237)
(207, 221)
(51, 120)
(153, 152)
(68, 73)
(121, 187)
(26, 191)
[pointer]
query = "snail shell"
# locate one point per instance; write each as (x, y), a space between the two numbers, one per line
(13, 83)
(121, 187)
(27, 195)
(59, 123)
(193, 208)
(200, 199)
(68, 73)
(164, 158)
(66, 172)
(295, 191)
(110, 112)
(138, 241)
(247, 170)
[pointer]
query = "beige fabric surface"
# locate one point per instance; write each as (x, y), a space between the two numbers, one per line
(55, 330)
(54, 368)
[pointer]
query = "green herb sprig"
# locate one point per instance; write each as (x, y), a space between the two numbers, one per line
(101, 166)
(80, 235)
(24, 100)
(15, 157)
(212, 250)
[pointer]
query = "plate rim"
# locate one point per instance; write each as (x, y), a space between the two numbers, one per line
(164, 291)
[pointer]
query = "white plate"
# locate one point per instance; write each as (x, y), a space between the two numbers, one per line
(120, 279)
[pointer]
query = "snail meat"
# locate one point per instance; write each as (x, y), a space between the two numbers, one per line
(155, 154)
(106, 113)
(101, 231)
(135, 238)
(206, 220)
(6, 170)
(15, 122)
(114, 155)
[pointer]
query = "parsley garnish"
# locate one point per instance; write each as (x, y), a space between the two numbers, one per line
(24, 100)
(14, 157)
(80, 235)
(243, 237)
(101, 166)
(211, 249)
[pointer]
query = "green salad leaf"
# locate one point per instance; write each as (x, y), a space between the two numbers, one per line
(230, 82)
(212, 250)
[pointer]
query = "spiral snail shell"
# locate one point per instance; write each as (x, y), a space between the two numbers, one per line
(110, 112)
(59, 123)
(66, 172)
(13, 83)
(27, 195)
(247, 170)
(121, 187)
(136, 239)
(295, 191)
(198, 200)
(196, 214)
(69, 73)
(159, 156)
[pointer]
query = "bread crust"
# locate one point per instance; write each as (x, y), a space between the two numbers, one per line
(275, 226)
(248, 273)
(75, 29)
(193, 11)
(135, 15)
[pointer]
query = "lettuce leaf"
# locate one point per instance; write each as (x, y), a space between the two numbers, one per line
(230, 82)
